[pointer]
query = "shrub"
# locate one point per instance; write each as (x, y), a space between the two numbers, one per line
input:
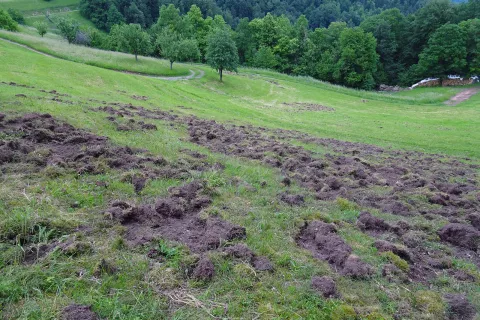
(6, 21)
(16, 15)
(41, 27)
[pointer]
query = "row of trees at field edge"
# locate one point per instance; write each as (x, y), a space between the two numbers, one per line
(439, 39)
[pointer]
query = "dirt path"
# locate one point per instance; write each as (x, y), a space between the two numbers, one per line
(462, 96)
(191, 75)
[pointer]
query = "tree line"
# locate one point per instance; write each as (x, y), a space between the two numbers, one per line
(390, 47)
(439, 39)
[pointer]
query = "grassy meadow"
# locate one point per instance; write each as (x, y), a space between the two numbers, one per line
(57, 47)
(47, 208)
(36, 5)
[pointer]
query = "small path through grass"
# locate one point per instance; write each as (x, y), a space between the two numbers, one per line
(462, 96)
(192, 75)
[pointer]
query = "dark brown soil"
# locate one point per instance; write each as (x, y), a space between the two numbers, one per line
(38, 141)
(325, 286)
(244, 253)
(351, 170)
(459, 308)
(176, 218)
(204, 270)
(292, 199)
(78, 312)
(461, 235)
(321, 239)
(367, 222)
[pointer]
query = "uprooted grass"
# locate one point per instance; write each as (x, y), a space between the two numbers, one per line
(143, 288)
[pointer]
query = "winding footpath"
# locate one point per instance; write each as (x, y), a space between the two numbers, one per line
(191, 76)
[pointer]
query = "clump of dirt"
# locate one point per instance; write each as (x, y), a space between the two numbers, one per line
(243, 252)
(367, 222)
(325, 286)
(176, 218)
(460, 235)
(78, 312)
(133, 125)
(204, 270)
(321, 239)
(474, 219)
(292, 199)
(300, 106)
(459, 308)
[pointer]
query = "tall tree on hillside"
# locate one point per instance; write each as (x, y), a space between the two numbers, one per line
(358, 59)
(174, 48)
(134, 40)
(41, 27)
(445, 54)
(68, 29)
(425, 22)
(97, 11)
(472, 31)
(133, 15)
(113, 17)
(222, 52)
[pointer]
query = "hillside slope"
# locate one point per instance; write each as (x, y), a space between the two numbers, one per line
(128, 197)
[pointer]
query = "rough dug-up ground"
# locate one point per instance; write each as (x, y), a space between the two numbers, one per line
(162, 214)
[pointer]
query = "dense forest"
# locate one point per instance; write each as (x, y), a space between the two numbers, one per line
(360, 45)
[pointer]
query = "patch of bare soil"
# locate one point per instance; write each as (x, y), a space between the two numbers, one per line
(78, 312)
(410, 184)
(177, 218)
(322, 240)
(301, 106)
(34, 142)
(462, 96)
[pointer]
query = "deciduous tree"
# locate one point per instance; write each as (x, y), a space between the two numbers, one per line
(222, 52)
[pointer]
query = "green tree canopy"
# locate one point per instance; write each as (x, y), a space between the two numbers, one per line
(222, 52)
(174, 48)
(68, 29)
(6, 22)
(133, 39)
(41, 27)
(472, 31)
(445, 54)
(358, 59)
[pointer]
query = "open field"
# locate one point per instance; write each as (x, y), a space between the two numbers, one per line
(36, 5)
(282, 157)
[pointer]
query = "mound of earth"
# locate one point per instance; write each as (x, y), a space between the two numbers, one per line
(325, 286)
(242, 252)
(459, 308)
(292, 199)
(176, 218)
(461, 235)
(78, 312)
(321, 239)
